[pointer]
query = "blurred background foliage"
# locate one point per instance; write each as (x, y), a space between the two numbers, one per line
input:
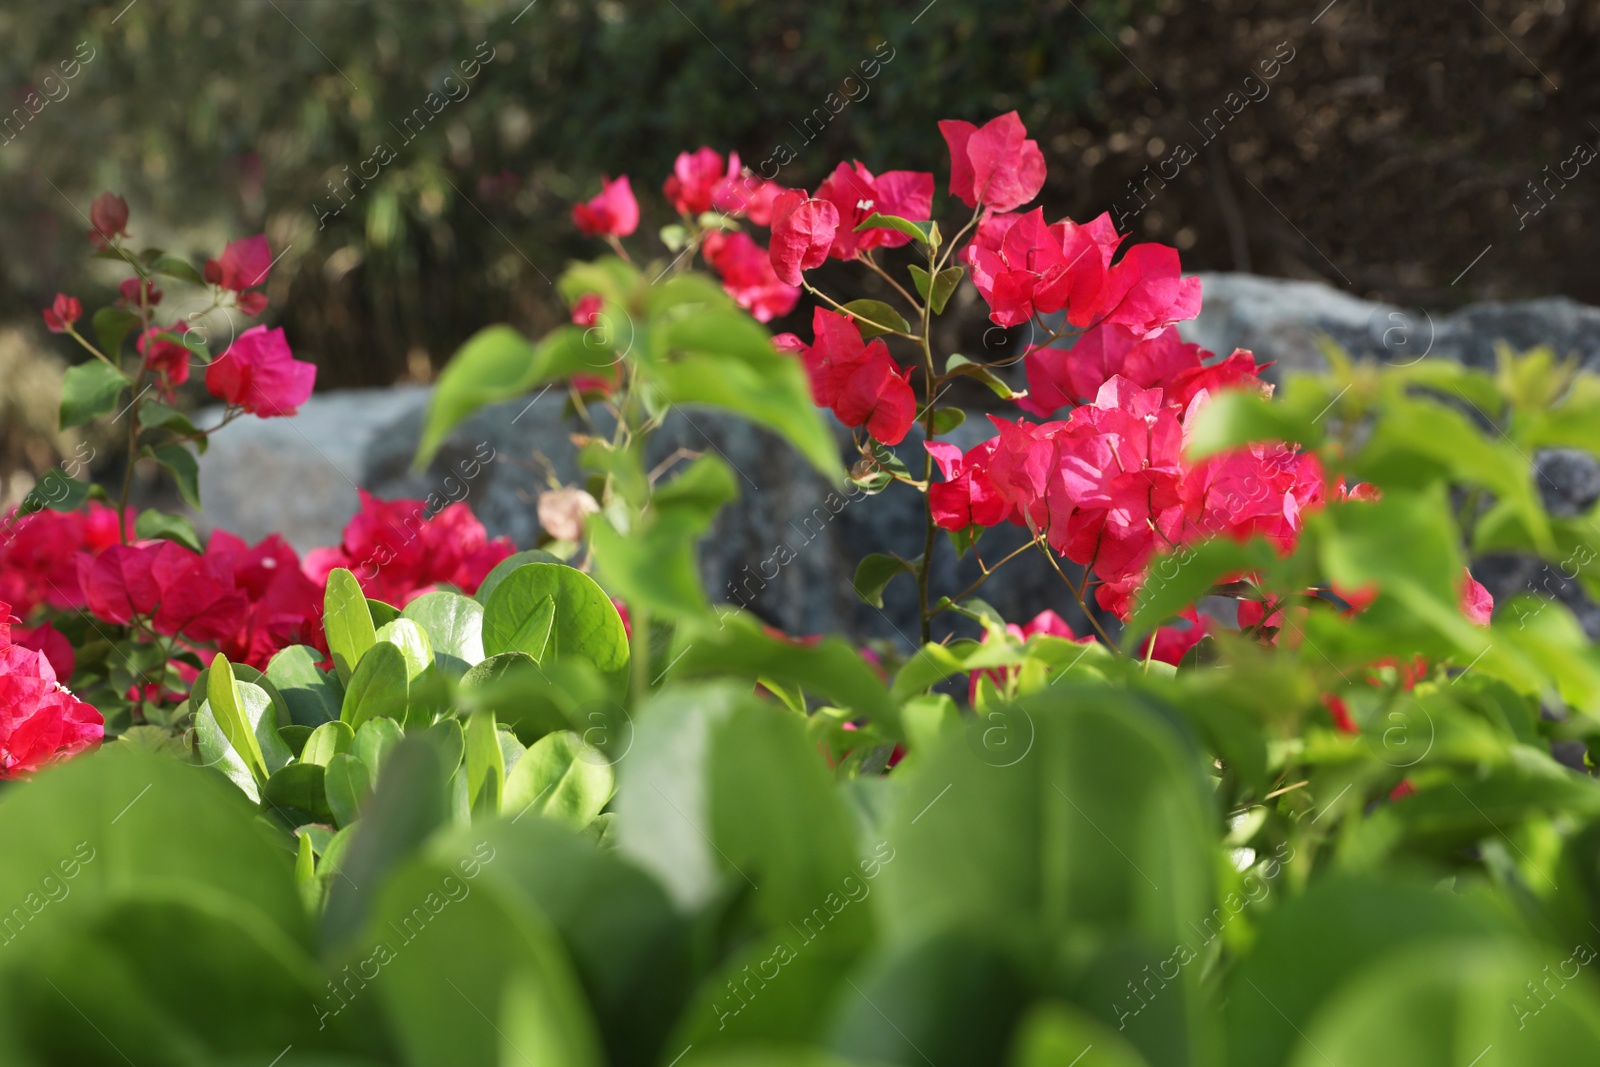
(1396, 143)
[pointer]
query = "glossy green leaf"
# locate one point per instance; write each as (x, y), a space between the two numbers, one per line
(348, 784)
(312, 696)
(553, 612)
(183, 467)
(347, 621)
(454, 626)
(562, 778)
(153, 524)
(874, 318)
(327, 741)
(875, 572)
(90, 390)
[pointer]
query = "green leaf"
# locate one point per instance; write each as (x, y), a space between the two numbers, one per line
(486, 765)
(1176, 580)
(947, 419)
(1098, 825)
(58, 492)
(327, 741)
(153, 414)
(375, 739)
(347, 621)
(1449, 1003)
(956, 996)
(408, 804)
(875, 572)
(1336, 935)
(454, 625)
(88, 391)
(311, 696)
(1054, 1033)
(184, 468)
(173, 267)
(725, 359)
(959, 364)
(516, 998)
(227, 705)
(949, 278)
(628, 945)
(506, 566)
(553, 612)
(348, 783)
(111, 325)
(298, 786)
(562, 778)
(497, 363)
(917, 231)
(874, 318)
(382, 614)
(738, 646)
(380, 686)
(1236, 417)
(723, 793)
(155, 524)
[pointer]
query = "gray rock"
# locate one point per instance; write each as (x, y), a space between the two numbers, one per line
(1281, 321)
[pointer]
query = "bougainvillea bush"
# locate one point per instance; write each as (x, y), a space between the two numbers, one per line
(1299, 792)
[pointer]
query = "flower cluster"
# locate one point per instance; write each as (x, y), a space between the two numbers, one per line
(40, 720)
(398, 551)
(246, 601)
(1094, 465)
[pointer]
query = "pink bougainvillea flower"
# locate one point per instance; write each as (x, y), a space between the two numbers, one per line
(802, 233)
(41, 722)
(38, 554)
(995, 165)
(51, 643)
(166, 359)
(1144, 290)
(1040, 268)
(242, 265)
(586, 311)
(1476, 602)
(252, 303)
(746, 195)
(748, 275)
(63, 311)
(176, 591)
(1261, 489)
(1059, 377)
(130, 291)
(259, 374)
(857, 195)
(282, 604)
(860, 382)
(694, 180)
(613, 213)
(967, 496)
(397, 552)
(109, 217)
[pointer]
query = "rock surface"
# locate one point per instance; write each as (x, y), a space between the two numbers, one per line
(789, 547)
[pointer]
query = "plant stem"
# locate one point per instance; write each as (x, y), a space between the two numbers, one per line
(1078, 596)
(929, 540)
(862, 318)
(872, 265)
